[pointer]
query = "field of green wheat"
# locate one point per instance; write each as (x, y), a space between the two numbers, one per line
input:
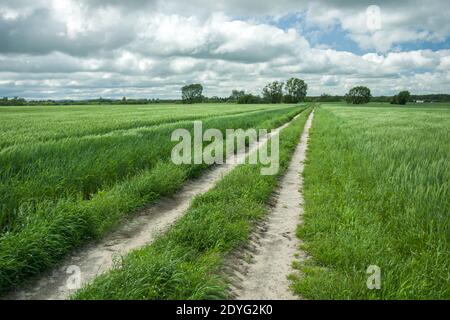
(377, 192)
(69, 174)
(376, 186)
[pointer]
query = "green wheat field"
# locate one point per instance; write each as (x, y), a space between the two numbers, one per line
(376, 189)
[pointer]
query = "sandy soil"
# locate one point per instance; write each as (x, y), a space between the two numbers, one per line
(266, 262)
(139, 230)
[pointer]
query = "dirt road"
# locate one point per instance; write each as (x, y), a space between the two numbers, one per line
(265, 277)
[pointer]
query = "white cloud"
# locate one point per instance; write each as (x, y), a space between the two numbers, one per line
(329, 80)
(401, 21)
(217, 37)
(147, 48)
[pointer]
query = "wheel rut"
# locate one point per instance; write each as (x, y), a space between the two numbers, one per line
(259, 271)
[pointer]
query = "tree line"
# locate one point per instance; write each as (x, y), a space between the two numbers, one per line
(293, 91)
(362, 95)
(16, 101)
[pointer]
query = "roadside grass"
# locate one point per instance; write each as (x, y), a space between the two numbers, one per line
(184, 262)
(377, 186)
(38, 233)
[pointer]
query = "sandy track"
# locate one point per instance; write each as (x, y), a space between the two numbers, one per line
(139, 230)
(275, 243)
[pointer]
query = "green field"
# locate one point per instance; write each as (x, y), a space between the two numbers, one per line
(185, 262)
(71, 173)
(22, 125)
(377, 192)
(376, 189)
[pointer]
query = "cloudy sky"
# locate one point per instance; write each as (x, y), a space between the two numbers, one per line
(149, 48)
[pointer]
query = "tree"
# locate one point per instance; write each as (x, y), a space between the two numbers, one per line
(273, 92)
(394, 100)
(358, 95)
(295, 90)
(192, 93)
(249, 98)
(236, 95)
(402, 98)
(324, 97)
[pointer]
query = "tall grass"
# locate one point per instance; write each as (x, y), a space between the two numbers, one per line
(58, 194)
(377, 192)
(79, 167)
(184, 262)
(32, 124)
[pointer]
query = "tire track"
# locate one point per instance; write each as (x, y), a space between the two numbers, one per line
(259, 271)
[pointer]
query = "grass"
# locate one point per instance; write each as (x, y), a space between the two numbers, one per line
(377, 186)
(184, 262)
(56, 193)
(78, 167)
(31, 124)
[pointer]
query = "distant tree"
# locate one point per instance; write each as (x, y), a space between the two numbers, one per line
(249, 98)
(4, 101)
(192, 93)
(402, 98)
(394, 100)
(236, 94)
(324, 97)
(214, 99)
(16, 101)
(295, 90)
(273, 92)
(358, 95)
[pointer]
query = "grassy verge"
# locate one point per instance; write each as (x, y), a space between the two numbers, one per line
(183, 263)
(377, 185)
(45, 231)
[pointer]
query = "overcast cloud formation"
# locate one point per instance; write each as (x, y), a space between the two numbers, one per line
(148, 48)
